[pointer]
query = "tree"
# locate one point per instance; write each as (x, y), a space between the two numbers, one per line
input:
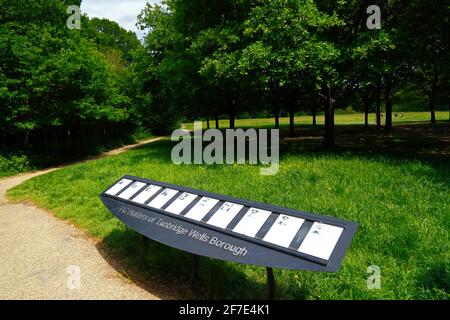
(276, 52)
(52, 78)
(109, 36)
(175, 52)
(428, 51)
(162, 69)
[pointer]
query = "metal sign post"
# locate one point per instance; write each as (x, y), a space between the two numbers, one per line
(228, 228)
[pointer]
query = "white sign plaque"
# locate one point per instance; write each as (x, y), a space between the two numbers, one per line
(252, 221)
(201, 208)
(225, 214)
(283, 230)
(181, 203)
(162, 198)
(118, 186)
(131, 190)
(321, 240)
(146, 194)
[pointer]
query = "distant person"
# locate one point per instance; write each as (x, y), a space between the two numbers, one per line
(401, 115)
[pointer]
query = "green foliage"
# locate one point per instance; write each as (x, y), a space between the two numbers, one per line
(13, 162)
(56, 79)
(348, 110)
(278, 44)
(211, 58)
(110, 36)
(10, 165)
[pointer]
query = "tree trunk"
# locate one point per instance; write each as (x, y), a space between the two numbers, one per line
(69, 135)
(378, 116)
(433, 113)
(314, 114)
(277, 119)
(329, 120)
(45, 138)
(233, 114)
(26, 140)
(388, 97)
(332, 116)
(232, 120)
(366, 117)
(291, 122)
(207, 123)
(217, 122)
(366, 109)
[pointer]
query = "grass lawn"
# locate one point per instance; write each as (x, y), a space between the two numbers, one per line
(340, 119)
(400, 202)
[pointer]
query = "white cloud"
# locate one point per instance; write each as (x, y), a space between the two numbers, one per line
(123, 12)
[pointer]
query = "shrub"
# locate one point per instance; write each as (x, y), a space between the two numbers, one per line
(348, 110)
(13, 164)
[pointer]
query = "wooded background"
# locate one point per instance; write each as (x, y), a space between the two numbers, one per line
(211, 59)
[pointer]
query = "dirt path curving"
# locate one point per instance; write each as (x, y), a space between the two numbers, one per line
(41, 256)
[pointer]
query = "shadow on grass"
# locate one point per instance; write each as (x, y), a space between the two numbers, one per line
(421, 142)
(166, 272)
(426, 143)
(407, 141)
(410, 141)
(436, 277)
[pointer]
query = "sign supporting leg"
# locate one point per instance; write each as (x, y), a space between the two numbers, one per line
(145, 242)
(194, 270)
(270, 284)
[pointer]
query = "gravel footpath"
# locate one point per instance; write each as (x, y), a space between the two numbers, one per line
(41, 256)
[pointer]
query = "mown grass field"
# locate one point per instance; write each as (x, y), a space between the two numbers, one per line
(340, 119)
(401, 204)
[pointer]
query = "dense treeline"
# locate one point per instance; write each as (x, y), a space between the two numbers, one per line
(209, 59)
(59, 84)
(214, 59)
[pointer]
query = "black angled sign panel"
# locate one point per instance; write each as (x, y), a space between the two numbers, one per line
(229, 228)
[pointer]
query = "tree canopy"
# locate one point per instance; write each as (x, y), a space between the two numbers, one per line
(54, 79)
(212, 59)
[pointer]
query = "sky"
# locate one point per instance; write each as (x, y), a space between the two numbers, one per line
(124, 12)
